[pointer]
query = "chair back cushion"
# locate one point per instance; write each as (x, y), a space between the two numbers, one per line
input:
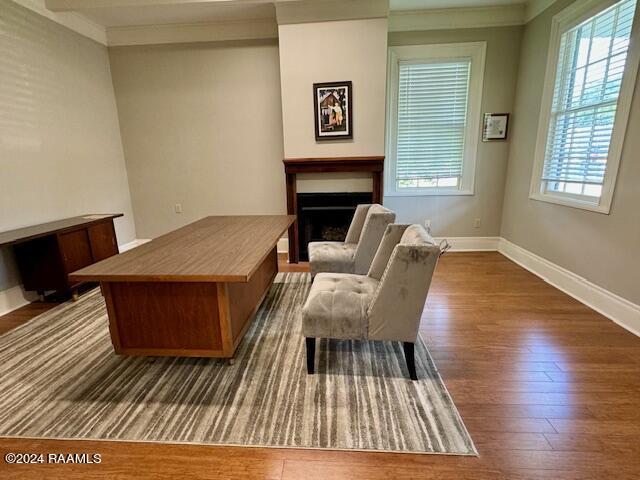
(375, 224)
(355, 228)
(392, 236)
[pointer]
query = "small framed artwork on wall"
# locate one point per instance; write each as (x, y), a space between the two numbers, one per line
(495, 126)
(332, 110)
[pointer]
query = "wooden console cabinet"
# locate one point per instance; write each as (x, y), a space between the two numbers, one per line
(46, 254)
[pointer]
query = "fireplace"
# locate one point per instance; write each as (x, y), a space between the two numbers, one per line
(294, 166)
(325, 217)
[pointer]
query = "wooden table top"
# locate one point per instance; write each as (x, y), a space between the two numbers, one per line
(213, 249)
(58, 226)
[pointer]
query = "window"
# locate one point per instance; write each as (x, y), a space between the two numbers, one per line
(585, 105)
(433, 118)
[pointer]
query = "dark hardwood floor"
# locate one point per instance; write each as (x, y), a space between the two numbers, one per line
(11, 320)
(548, 389)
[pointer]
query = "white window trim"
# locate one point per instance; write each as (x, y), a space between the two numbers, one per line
(476, 51)
(563, 21)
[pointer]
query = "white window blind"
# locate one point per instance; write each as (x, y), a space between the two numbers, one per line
(590, 67)
(432, 120)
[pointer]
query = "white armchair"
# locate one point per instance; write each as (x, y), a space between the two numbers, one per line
(356, 253)
(384, 304)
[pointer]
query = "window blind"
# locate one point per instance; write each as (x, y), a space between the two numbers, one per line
(591, 63)
(432, 118)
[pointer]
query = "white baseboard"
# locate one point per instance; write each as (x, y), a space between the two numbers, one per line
(15, 297)
(472, 244)
(283, 245)
(458, 244)
(621, 311)
(133, 244)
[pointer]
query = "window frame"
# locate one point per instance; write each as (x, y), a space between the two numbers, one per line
(567, 19)
(476, 53)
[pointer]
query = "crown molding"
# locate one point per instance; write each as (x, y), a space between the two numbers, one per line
(67, 5)
(536, 7)
(71, 20)
(308, 11)
(453, 18)
(287, 12)
(255, 29)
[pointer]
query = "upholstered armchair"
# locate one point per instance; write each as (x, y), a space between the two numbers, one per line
(384, 304)
(355, 254)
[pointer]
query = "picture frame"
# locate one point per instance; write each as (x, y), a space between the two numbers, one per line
(333, 111)
(495, 127)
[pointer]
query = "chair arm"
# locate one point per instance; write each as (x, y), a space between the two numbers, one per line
(396, 309)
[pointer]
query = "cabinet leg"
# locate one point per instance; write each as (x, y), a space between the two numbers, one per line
(74, 295)
(231, 361)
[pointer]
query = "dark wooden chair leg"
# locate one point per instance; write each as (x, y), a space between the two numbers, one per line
(410, 358)
(311, 354)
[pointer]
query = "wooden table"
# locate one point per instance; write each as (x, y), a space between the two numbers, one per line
(48, 252)
(193, 291)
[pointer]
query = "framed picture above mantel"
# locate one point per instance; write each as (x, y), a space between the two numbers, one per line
(333, 113)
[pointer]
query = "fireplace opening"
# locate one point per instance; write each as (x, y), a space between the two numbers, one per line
(326, 217)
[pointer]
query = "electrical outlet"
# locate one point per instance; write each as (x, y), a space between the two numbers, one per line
(178, 208)
(476, 223)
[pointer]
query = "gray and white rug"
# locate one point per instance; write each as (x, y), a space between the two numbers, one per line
(59, 378)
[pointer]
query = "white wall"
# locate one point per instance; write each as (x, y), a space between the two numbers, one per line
(601, 248)
(201, 126)
(207, 125)
(454, 215)
(60, 148)
(354, 50)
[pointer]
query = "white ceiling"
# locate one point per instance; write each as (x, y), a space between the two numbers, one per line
(147, 22)
(203, 11)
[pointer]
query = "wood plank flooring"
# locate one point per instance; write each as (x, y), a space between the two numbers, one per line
(548, 389)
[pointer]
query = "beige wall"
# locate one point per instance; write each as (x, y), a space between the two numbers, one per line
(601, 248)
(201, 126)
(311, 53)
(454, 216)
(60, 148)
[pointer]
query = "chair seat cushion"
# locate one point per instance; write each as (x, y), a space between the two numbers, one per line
(337, 306)
(335, 257)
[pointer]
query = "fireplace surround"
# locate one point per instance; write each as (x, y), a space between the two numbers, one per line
(293, 166)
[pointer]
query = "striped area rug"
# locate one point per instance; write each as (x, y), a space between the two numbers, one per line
(59, 378)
